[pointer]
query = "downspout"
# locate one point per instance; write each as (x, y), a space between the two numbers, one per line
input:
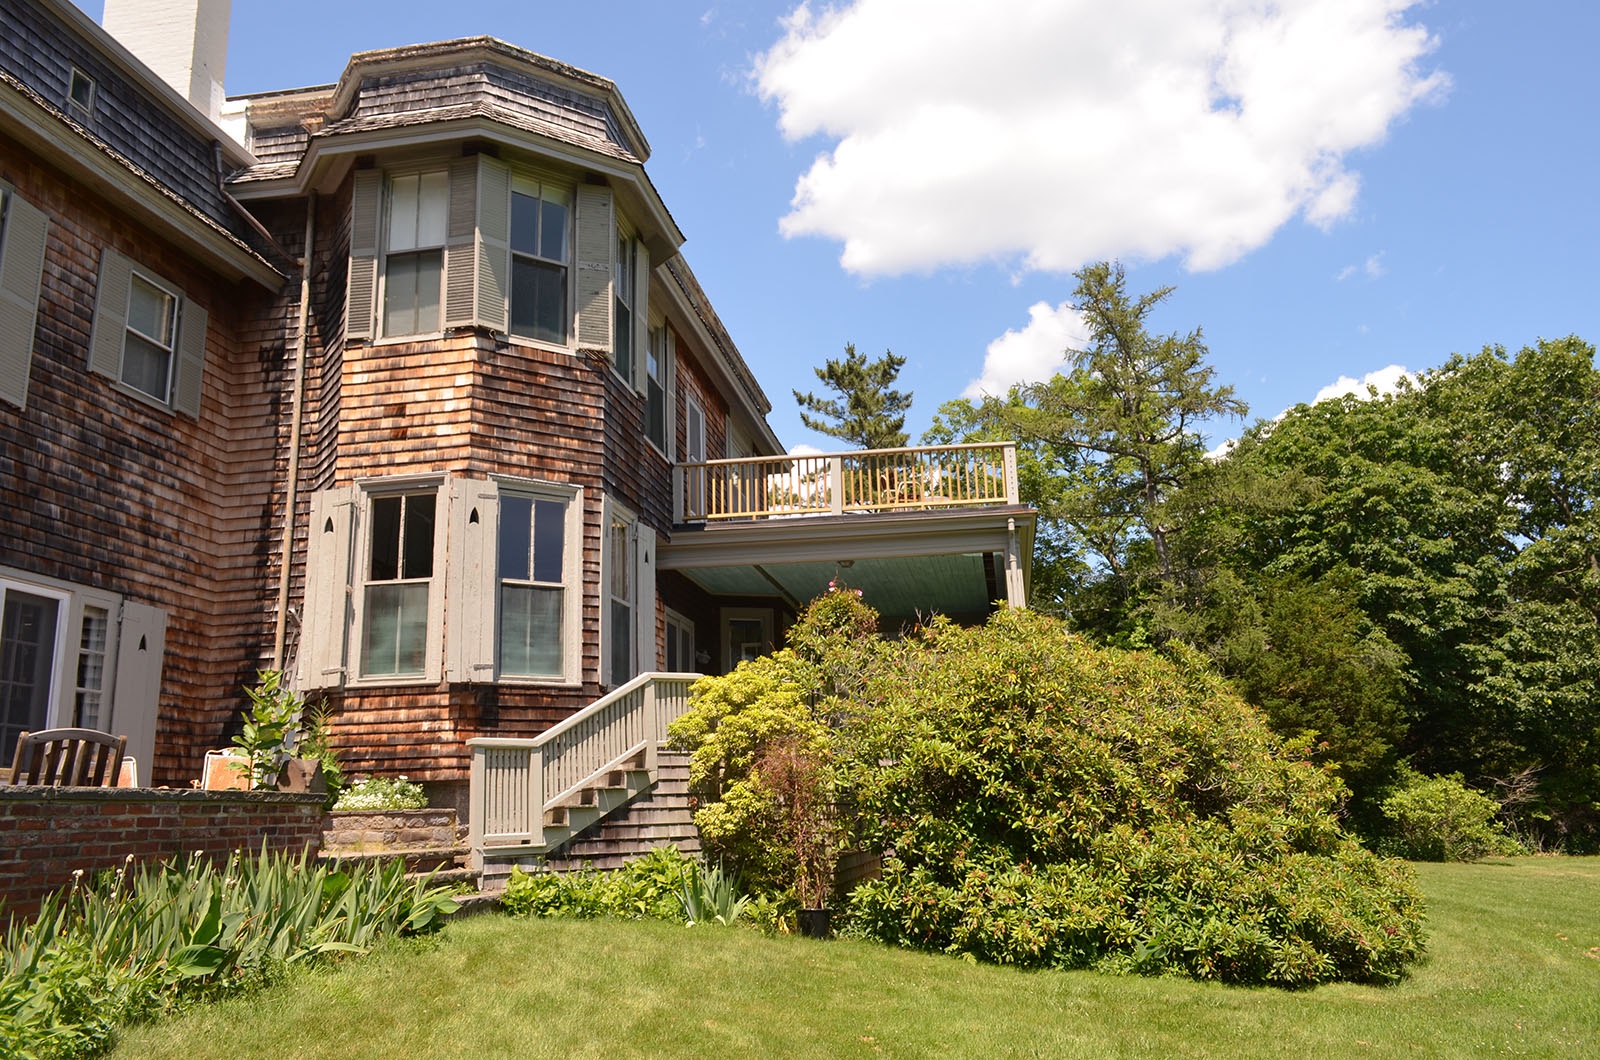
(286, 552)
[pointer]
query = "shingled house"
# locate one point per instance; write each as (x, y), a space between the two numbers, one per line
(402, 384)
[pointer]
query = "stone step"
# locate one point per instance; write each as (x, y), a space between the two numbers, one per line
(417, 859)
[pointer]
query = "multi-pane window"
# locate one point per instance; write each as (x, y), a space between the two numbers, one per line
(531, 566)
(655, 394)
(399, 573)
(680, 644)
(28, 625)
(414, 247)
(540, 237)
(620, 598)
(625, 295)
(148, 348)
(88, 695)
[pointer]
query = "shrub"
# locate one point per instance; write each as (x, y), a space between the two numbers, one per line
(1441, 819)
(137, 943)
(1048, 803)
(760, 759)
(648, 887)
(382, 793)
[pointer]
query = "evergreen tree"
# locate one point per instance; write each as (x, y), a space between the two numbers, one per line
(868, 413)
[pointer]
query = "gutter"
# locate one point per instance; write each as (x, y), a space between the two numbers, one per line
(238, 208)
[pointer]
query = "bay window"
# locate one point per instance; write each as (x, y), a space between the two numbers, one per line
(397, 584)
(540, 240)
(413, 269)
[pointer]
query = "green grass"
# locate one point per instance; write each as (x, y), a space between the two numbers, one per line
(1513, 968)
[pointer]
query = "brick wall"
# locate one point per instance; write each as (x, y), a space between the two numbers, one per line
(47, 833)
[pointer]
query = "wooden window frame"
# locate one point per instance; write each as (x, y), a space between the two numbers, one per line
(571, 497)
(433, 648)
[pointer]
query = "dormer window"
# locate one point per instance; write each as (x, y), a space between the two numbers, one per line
(80, 96)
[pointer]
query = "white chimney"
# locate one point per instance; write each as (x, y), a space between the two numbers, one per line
(184, 41)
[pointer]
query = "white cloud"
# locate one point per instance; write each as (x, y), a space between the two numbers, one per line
(1372, 267)
(1055, 132)
(1032, 354)
(1387, 380)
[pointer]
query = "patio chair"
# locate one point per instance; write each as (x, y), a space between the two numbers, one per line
(68, 758)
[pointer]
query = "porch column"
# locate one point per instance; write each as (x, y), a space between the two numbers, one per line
(1016, 594)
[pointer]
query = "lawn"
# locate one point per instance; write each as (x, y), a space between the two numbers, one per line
(1513, 967)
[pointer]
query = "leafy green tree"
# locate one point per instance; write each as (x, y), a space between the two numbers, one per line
(1044, 473)
(1459, 513)
(868, 412)
(1131, 406)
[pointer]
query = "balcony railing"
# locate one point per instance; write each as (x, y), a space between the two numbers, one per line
(923, 478)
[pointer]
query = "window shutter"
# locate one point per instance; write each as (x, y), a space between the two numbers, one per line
(191, 358)
(433, 660)
(460, 248)
(366, 217)
(641, 316)
(644, 592)
(110, 314)
(596, 238)
(136, 699)
(494, 244)
(325, 603)
(21, 269)
(472, 581)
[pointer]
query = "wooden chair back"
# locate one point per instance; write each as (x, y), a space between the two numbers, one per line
(68, 758)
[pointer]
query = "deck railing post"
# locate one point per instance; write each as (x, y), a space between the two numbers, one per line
(477, 802)
(536, 795)
(836, 485)
(1013, 495)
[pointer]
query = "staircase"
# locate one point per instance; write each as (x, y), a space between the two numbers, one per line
(595, 789)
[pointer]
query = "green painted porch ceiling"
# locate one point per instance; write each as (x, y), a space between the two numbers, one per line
(902, 587)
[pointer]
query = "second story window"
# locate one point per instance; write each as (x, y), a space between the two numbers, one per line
(414, 253)
(540, 221)
(152, 330)
(656, 365)
(148, 337)
(624, 287)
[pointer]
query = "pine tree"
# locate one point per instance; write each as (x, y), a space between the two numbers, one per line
(869, 413)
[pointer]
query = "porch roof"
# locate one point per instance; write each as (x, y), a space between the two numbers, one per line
(906, 563)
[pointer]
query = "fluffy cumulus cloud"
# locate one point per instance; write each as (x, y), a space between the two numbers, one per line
(1032, 354)
(1386, 380)
(1054, 132)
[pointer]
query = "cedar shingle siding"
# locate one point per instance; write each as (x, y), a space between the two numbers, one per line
(104, 491)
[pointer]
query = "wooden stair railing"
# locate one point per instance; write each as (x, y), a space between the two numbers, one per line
(528, 797)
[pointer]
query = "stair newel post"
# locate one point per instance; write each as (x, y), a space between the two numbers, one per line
(652, 726)
(535, 789)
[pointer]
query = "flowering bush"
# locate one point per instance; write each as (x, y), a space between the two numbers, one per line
(382, 793)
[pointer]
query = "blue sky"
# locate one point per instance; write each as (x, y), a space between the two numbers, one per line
(1334, 187)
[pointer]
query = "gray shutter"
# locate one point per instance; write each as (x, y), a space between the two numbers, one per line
(596, 240)
(110, 314)
(136, 700)
(471, 577)
(460, 249)
(191, 358)
(641, 318)
(644, 592)
(21, 269)
(366, 221)
(325, 605)
(494, 243)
